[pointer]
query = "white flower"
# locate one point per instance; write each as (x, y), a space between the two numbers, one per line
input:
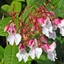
(50, 50)
(52, 55)
(61, 27)
(48, 29)
(35, 50)
(12, 37)
(22, 54)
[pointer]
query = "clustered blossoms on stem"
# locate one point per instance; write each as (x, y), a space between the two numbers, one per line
(34, 34)
(13, 37)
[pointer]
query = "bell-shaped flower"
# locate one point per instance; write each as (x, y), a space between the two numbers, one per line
(61, 27)
(50, 50)
(35, 50)
(48, 29)
(22, 54)
(12, 37)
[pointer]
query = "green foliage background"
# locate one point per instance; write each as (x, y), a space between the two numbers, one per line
(8, 55)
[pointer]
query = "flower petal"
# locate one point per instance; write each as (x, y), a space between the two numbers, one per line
(25, 57)
(32, 53)
(11, 39)
(45, 31)
(52, 55)
(52, 35)
(62, 31)
(19, 56)
(52, 46)
(17, 39)
(38, 52)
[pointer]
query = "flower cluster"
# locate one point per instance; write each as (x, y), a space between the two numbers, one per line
(34, 33)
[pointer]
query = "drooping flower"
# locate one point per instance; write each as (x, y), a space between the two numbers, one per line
(56, 21)
(50, 50)
(12, 37)
(61, 27)
(43, 39)
(35, 50)
(48, 29)
(22, 54)
(40, 21)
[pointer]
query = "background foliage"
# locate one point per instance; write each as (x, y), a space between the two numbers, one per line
(7, 54)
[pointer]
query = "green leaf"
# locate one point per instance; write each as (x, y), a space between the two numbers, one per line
(33, 2)
(59, 12)
(5, 7)
(16, 5)
(20, 0)
(10, 54)
(1, 53)
(55, 1)
(25, 14)
(58, 3)
(43, 60)
(3, 23)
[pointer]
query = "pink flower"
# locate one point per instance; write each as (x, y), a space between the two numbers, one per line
(50, 50)
(22, 54)
(43, 39)
(57, 21)
(40, 21)
(12, 37)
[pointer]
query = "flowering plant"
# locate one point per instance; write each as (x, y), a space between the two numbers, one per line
(28, 34)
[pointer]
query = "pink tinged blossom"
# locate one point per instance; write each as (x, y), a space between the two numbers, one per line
(61, 27)
(48, 29)
(40, 20)
(31, 43)
(35, 50)
(12, 37)
(50, 50)
(22, 54)
(44, 39)
(56, 21)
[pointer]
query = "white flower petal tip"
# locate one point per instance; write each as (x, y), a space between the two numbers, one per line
(10, 39)
(32, 54)
(21, 55)
(25, 57)
(38, 52)
(17, 38)
(52, 55)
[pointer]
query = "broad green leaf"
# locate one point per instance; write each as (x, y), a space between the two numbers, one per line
(10, 54)
(16, 5)
(1, 52)
(3, 23)
(5, 7)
